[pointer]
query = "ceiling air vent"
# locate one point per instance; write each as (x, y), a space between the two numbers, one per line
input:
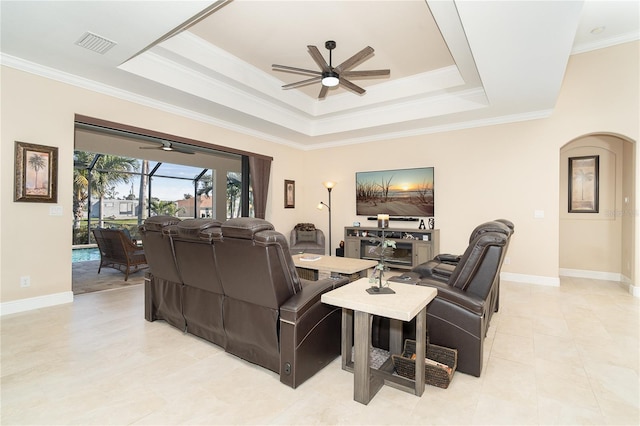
(95, 43)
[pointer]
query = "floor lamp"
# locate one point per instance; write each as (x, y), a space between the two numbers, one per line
(329, 186)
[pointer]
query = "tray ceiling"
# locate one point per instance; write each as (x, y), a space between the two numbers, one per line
(454, 64)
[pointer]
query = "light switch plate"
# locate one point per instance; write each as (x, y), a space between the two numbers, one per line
(55, 211)
(538, 214)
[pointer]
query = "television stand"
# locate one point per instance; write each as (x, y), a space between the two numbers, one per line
(413, 246)
(403, 219)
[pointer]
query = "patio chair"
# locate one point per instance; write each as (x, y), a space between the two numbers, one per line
(119, 252)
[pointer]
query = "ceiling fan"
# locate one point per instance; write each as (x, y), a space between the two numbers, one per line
(168, 146)
(331, 76)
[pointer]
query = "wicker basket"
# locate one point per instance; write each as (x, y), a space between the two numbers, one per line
(307, 274)
(433, 375)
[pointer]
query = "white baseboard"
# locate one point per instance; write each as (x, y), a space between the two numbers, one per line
(596, 275)
(530, 279)
(634, 290)
(599, 275)
(31, 303)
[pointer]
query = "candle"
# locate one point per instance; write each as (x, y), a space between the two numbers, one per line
(383, 221)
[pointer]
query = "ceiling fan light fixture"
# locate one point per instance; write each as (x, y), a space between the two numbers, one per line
(329, 76)
(330, 79)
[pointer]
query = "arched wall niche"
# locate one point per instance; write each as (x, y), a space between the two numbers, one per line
(602, 245)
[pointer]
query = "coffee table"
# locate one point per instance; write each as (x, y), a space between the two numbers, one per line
(409, 301)
(346, 266)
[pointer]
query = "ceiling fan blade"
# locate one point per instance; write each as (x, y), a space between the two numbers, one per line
(349, 85)
(317, 56)
(151, 147)
(355, 59)
(366, 73)
(302, 83)
(323, 92)
(294, 69)
(182, 151)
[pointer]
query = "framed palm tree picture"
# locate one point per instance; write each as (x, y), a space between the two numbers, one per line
(289, 194)
(36, 173)
(583, 184)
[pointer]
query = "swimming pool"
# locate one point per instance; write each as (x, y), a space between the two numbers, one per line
(84, 254)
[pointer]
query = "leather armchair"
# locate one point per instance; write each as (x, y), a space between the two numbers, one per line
(443, 265)
(202, 295)
(459, 316)
(166, 298)
(314, 245)
(272, 317)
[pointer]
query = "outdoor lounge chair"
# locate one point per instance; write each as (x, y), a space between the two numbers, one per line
(119, 252)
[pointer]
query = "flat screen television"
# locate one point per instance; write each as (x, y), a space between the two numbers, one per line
(402, 192)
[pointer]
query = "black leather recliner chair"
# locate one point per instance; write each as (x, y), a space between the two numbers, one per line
(165, 301)
(443, 265)
(459, 316)
(271, 316)
(193, 245)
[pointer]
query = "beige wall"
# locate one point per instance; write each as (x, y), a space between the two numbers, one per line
(507, 170)
(41, 111)
(484, 173)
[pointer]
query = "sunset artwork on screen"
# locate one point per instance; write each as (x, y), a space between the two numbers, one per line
(404, 192)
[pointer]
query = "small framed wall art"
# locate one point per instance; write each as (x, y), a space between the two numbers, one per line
(583, 184)
(36, 173)
(289, 194)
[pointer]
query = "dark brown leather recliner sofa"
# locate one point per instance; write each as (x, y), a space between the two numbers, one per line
(460, 314)
(235, 284)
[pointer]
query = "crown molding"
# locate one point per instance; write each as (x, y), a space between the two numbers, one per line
(609, 42)
(462, 125)
(56, 75)
(74, 80)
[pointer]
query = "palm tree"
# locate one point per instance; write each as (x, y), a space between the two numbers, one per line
(234, 188)
(111, 170)
(233, 194)
(142, 193)
(81, 161)
(581, 177)
(205, 185)
(160, 207)
(37, 163)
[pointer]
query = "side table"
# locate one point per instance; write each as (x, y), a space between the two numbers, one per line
(357, 305)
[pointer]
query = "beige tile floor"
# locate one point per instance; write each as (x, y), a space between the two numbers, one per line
(566, 355)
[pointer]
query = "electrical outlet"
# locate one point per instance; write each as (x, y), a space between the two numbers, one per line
(507, 260)
(25, 281)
